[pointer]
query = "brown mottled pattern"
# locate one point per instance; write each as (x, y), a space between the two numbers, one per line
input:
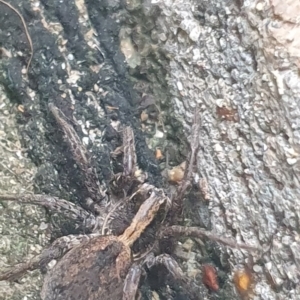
(84, 271)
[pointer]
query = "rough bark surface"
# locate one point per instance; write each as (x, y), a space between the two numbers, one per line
(239, 61)
(102, 62)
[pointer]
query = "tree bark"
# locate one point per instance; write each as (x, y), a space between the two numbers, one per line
(239, 61)
(102, 62)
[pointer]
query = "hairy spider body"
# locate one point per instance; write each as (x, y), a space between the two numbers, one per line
(96, 269)
(125, 232)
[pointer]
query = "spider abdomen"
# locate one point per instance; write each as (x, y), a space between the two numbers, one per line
(93, 270)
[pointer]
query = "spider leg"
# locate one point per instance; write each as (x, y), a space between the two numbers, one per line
(54, 204)
(176, 272)
(178, 231)
(81, 156)
(166, 260)
(177, 200)
(132, 281)
(57, 250)
(126, 182)
(129, 158)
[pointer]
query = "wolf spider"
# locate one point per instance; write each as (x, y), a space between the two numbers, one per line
(126, 232)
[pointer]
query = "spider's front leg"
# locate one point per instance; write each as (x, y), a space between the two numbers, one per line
(57, 250)
(177, 200)
(126, 182)
(129, 158)
(179, 231)
(83, 160)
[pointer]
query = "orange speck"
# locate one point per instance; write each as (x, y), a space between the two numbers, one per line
(158, 154)
(144, 116)
(177, 173)
(21, 108)
(243, 281)
(209, 277)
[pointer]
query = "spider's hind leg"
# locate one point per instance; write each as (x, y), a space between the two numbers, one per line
(55, 205)
(57, 250)
(177, 278)
(131, 283)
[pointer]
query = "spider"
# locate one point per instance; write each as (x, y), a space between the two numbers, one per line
(126, 229)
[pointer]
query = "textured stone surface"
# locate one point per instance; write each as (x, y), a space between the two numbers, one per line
(24, 230)
(237, 60)
(236, 55)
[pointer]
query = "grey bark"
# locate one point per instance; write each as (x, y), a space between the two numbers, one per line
(238, 61)
(243, 56)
